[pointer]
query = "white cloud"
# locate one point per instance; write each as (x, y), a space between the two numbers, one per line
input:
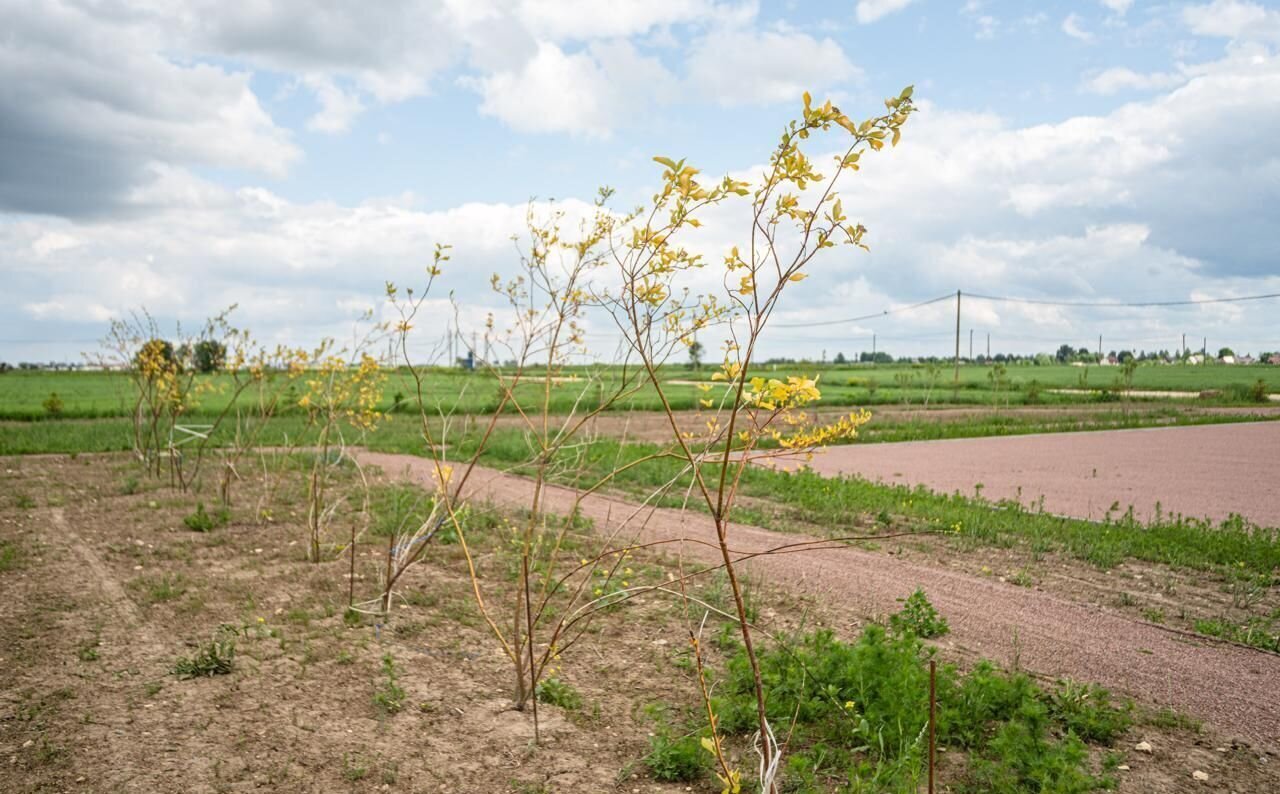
(1117, 6)
(1072, 27)
(586, 93)
(589, 19)
(1117, 79)
(869, 11)
(1232, 19)
(337, 107)
(90, 108)
(736, 67)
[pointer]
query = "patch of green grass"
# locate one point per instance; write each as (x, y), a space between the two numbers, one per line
(1168, 719)
(1259, 631)
(158, 589)
(674, 759)
(87, 651)
(560, 693)
(12, 556)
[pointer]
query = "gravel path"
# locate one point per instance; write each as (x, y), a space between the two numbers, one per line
(1205, 470)
(1230, 687)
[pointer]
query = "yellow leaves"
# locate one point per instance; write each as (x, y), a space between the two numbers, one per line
(797, 277)
(442, 474)
(728, 371)
(843, 429)
(650, 292)
(774, 394)
(668, 162)
(747, 285)
(732, 782)
(703, 387)
(705, 403)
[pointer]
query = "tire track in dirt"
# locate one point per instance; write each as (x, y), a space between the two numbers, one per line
(117, 600)
(1231, 687)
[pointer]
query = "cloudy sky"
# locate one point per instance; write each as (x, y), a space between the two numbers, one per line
(291, 156)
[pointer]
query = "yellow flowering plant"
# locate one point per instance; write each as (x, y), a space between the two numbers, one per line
(795, 214)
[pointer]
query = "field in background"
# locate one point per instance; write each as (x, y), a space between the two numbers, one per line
(105, 394)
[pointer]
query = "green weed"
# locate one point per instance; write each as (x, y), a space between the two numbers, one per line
(217, 657)
(11, 556)
(559, 693)
(388, 697)
(919, 617)
(202, 521)
(674, 759)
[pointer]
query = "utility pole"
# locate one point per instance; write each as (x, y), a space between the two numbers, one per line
(873, 348)
(988, 345)
(957, 375)
(1204, 351)
(1099, 347)
(971, 344)
(1182, 352)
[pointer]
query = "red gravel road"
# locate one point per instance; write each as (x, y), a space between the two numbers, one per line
(1204, 470)
(1231, 687)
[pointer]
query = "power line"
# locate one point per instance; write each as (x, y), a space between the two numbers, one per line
(1118, 304)
(884, 313)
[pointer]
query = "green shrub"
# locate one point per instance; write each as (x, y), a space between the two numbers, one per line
(202, 521)
(53, 404)
(919, 617)
(676, 758)
(861, 714)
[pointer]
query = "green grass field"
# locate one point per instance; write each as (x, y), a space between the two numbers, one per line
(87, 395)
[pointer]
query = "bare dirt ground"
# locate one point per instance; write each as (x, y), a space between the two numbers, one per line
(105, 587)
(1232, 687)
(103, 591)
(1202, 471)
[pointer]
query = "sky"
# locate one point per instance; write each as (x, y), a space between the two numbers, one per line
(291, 157)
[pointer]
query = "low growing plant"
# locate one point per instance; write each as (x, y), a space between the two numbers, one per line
(389, 697)
(920, 618)
(203, 521)
(217, 657)
(674, 759)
